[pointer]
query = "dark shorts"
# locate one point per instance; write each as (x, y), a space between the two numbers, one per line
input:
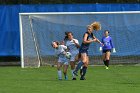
(107, 50)
(83, 51)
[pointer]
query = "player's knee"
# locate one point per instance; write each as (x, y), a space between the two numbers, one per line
(72, 67)
(84, 61)
(64, 71)
(58, 67)
(86, 64)
(104, 59)
(107, 58)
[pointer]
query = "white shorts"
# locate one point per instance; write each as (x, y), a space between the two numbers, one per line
(63, 60)
(73, 57)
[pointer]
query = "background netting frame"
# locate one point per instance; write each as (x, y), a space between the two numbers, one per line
(95, 55)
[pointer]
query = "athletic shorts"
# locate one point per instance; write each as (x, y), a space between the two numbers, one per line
(73, 57)
(63, 60)
(107, 50)
(83, 51)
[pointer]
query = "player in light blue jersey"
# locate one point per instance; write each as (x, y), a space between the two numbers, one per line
(88, 38)
(106, 49)
(60, 51)
(73, 47)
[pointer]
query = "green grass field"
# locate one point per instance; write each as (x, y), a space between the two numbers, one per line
(118, 79)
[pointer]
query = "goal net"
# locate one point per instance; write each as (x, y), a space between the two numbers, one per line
(38, 30)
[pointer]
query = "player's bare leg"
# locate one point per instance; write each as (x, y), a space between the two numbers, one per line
(81, 63)
(107, 59)
(84, 69)
(65, 68)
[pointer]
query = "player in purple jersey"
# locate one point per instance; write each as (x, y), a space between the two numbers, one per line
(83, 51)
(106, 49)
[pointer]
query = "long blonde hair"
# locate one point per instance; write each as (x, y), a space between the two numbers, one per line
(96, 26)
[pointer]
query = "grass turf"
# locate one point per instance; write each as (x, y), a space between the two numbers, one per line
(118, 79)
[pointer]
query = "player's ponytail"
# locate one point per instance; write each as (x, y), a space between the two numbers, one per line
(66, 36)
(96, 26)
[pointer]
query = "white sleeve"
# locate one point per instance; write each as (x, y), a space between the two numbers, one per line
(76, 41)
(63, 46)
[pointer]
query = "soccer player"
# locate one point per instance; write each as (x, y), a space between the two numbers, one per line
(73, 46)
(106, 49)
(60, 50)
(88, 38)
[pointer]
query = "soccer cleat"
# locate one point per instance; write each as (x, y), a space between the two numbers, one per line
(59, 79)
(75, 73)
(73, 78)
(82, 78)
(66, 77)
(106, 67)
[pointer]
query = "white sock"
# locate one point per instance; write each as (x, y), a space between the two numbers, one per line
(81, 67)
(59, 74)
(72, 74)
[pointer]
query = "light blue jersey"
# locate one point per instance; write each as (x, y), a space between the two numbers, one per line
(61, 53)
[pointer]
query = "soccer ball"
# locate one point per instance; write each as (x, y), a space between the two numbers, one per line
(68, 55)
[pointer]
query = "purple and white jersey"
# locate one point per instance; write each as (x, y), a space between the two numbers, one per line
(60, 51)
(107, 41)
(72, 47)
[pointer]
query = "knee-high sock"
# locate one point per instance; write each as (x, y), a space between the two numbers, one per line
(81, 70)
(84, 71)
(72, 74)
(107, 63)
(59, 74)
(79, 66)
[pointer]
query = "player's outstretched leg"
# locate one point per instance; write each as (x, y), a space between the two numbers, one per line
(73, 76)
(84, 73)
(65, 71)
(72, 63)
(77, 68)
(81, 71)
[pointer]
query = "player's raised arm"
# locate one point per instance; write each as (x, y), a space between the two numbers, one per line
(97, 40)
(85, 40)
(76, 43)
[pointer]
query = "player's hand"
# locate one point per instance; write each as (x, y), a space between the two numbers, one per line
(62, 43)
(74, 41)
(114, 50)
(102, 44)
(64, 52)
(94, 40)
